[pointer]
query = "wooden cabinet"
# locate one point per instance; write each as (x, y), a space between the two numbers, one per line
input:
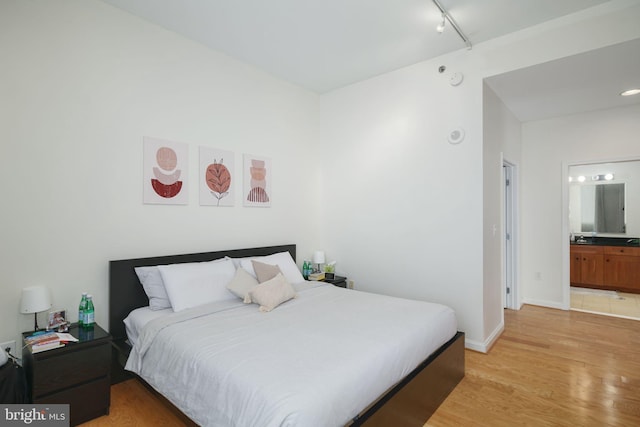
(587, 265)
(622, 268)
(575, 270)
(77, 374)
(606, 267)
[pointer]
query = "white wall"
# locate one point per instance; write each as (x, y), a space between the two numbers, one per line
(502, 140)
(549, 146)
(383, 193)
(405, 212)
(81, 83)
(405, 216)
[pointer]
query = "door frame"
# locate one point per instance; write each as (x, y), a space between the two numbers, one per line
(510, 288)
(566, 228)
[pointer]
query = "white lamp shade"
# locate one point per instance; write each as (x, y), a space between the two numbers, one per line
(35, 299)
(318, 257)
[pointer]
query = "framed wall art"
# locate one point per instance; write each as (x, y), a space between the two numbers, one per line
(217, 177)
(258, 176)
(165, 172)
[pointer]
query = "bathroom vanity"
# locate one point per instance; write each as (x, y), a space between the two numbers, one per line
(606, 263)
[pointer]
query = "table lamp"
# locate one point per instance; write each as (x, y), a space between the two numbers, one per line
(318, 258)
(35, 299)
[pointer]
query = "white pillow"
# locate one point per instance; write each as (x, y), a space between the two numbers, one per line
(282, 259)
(151, 280)
(272, 293)
(237, 261)
(192, 284)
(242, 284)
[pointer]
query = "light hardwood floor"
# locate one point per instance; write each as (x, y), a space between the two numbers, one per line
(132, 404)
(549, 368)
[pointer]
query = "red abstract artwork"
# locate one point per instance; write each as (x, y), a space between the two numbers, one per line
(218, 179)
(165, 176)
(166, 184)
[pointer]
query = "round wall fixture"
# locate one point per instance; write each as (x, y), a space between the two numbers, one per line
(456, 136)
(455, 79)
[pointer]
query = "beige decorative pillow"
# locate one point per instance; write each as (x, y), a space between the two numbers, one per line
(264, 271)
(272, 293)
(241, 284)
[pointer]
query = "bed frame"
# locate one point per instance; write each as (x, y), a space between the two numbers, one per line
(409, 403)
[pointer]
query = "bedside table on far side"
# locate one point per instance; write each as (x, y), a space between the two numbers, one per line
(78, 374)
(338, 281)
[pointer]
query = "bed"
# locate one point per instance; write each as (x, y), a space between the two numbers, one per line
(316, 359)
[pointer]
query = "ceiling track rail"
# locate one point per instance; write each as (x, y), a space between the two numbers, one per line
(453, 23)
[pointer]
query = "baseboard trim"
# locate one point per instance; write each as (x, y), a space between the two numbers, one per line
(485, 346)
(544, 303)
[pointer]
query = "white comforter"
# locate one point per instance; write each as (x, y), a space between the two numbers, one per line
(317, 360)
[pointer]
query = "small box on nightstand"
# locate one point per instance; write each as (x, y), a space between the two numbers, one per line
(339, 281)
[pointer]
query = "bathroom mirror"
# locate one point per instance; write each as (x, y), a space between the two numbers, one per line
(602, 208)
(604, 198)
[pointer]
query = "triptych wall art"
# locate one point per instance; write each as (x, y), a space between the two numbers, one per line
(165, 175)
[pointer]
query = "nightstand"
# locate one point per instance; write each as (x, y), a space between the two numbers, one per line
(78, 374)
(338, 281)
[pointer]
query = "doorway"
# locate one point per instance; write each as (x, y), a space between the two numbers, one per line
(509, 237)
(606, 288)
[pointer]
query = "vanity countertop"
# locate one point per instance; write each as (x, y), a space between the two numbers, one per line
(608, 241)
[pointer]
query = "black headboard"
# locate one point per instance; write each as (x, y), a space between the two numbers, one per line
(126, 292)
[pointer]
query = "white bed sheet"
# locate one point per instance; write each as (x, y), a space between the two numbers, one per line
(135, 321)
(317, 360)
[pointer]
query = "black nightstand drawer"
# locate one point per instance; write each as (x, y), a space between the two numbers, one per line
(87, 401)
(78, 374)
(62, 370)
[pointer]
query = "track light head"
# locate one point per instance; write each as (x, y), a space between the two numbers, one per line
(440, 27)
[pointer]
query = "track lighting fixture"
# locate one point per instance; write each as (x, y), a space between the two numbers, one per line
(440, 27)
(630, 92)
(446, 16)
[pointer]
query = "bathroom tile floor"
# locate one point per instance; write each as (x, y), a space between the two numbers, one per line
(612, 303)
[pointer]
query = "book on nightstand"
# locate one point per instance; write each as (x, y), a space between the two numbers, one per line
(41, 338)
(42, 341)
(47, 346)
(316, 276)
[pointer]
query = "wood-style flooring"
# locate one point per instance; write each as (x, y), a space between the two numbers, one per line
(133, 404)
(549, 368)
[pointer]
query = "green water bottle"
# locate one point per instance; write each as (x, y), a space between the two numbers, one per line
(81, 309)
(305, 270)
(89, 314)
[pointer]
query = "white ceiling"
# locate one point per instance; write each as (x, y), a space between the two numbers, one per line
(326, 44)
(576, 84)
